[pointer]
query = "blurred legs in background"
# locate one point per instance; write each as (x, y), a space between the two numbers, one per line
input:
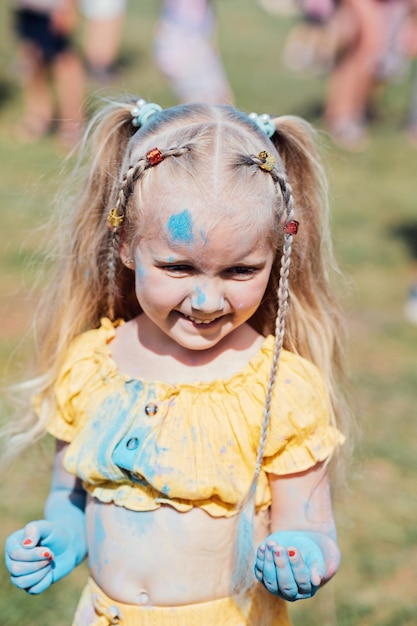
(51, 73)
(372, 56)
(352, 78)
(103, 28)
(186, 54)
(360, 45)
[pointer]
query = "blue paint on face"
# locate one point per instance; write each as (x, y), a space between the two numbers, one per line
(140, 271)
(200, 296)
(180, 227)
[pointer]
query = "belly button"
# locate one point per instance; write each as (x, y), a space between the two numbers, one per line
(143, 597)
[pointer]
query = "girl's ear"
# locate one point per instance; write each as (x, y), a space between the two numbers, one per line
(126, 255)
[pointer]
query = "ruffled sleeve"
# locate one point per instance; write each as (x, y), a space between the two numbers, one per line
(84, 368)
(301, 433)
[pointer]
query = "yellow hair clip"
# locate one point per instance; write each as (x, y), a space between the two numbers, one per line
(268, 160)
(114, 219)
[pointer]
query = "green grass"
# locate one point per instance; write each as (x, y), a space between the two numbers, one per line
(372, 198)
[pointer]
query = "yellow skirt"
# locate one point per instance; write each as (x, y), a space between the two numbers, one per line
(95, 608)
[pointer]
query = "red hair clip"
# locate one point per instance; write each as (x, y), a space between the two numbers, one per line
(154, 156)
(292, 227)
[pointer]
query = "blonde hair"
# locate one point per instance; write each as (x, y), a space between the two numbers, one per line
(89, 280)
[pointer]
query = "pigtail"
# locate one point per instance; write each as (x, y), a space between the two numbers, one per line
(314, 327)
(299, 306)
(242, 580)
(77, 268)
(82, 260)
(313, 320)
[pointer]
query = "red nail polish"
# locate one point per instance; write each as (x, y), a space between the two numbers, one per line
(277, 553)
(27, 542)
(47, 555)
(291, 552)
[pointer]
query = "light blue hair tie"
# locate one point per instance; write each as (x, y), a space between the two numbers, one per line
(143, 111)
(264, 122)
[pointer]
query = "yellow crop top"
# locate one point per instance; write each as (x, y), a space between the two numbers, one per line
(141, 444)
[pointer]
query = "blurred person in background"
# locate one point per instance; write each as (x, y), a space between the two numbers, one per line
(51, 72)
(186, 54)
(103, 29)
(371, 56)
(311, 45)
(360, 43)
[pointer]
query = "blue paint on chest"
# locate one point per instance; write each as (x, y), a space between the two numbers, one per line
(180, 228)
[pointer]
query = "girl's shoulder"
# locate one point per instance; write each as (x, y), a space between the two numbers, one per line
(87, 356)
(94, 338)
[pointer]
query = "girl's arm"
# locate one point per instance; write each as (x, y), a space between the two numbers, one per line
(49, 549)
(302, 553)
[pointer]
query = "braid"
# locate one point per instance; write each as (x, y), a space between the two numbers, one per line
(242, 576)
(283, 294)
(267, 162)
(128, 181)
(118, 214)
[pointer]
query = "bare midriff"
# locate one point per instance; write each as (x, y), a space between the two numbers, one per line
(162, 557)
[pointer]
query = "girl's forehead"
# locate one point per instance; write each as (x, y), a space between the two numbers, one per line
(184, 233)
(180, 227)
(179, 211)
(186, 223)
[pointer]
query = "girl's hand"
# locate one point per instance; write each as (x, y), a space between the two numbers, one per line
(39, 555)
(290, 565)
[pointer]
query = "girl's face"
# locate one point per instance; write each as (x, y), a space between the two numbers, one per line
(197, 285)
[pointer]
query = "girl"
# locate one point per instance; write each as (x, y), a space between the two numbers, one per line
(191, 431)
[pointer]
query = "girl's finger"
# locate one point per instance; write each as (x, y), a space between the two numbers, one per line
(42, 585)
(25, 568)
(35, 532)
(29, 580)
(17, 553)
(300, 571)
(287, 585)
(269, 574)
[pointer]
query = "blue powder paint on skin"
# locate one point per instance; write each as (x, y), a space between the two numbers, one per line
(140, 270)
(201, 296)
(100, 537)
(180, 227)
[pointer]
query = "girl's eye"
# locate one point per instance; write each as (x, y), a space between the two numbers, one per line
(178, 269)
(242, 270)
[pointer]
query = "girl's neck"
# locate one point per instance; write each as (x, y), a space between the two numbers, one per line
(141, 353)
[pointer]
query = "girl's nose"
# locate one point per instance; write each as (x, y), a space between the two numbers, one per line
(207, 299)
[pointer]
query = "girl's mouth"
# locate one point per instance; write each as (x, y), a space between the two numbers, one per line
(201, 322)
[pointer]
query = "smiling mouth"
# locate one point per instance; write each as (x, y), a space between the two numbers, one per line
(200, 322)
